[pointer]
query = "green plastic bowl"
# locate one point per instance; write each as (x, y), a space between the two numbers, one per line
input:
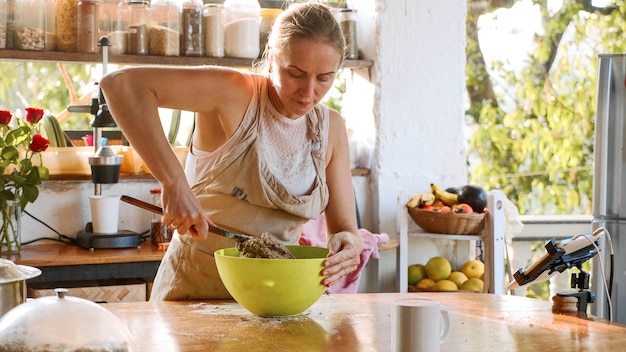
(273, 287)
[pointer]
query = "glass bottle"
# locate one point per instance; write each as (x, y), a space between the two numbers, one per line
(30, 25)
(158, 232)
(3, 23)
(242, 28)
(113, 23)
(213, 30)
(138, 30)
(348, 23)
(164, 28)
(50, 26)
(66, 25)
(192, 28)
(87, 26)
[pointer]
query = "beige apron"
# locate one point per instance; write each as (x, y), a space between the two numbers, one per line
(240, 193)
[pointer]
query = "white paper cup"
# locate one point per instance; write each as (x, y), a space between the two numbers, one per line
(105, 211)
(419, 325)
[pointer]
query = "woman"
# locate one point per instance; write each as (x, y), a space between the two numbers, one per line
(265, 156)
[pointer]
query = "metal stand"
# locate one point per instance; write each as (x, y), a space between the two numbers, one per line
(105, 168)
(580, 281)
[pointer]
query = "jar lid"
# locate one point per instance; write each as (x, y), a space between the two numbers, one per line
(270, 12)
(10, 272)
(155, 191)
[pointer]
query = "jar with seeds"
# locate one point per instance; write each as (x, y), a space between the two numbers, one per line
(165, 28)
(66, 25)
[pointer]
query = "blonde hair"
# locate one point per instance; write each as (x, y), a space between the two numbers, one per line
(312, 21)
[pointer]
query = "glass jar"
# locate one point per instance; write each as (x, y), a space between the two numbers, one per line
(10, 24)
(87, 26)
(158, 232)
(242, 28)
(164, 28)
(138, 27)
(113, 23)
(192, 28)
(66, 25)
(50, 26)
(348, 23)
(268, 16)
(3, 23)
(30, 24)
(213, 30)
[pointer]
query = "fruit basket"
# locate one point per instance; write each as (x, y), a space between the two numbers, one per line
(448, 223)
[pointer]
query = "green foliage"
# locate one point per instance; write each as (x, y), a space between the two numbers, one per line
(24, 84)
(536, 141)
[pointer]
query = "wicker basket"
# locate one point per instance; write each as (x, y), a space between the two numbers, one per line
(449, 223)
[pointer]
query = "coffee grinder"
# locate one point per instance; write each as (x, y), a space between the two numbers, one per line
(105, 168)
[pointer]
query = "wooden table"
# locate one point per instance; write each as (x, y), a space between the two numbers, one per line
(362, 322)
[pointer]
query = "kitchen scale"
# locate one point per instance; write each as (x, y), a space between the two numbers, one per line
(105, 169)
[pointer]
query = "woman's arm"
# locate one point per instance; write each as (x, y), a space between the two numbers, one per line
(134, 95)
(344, 242)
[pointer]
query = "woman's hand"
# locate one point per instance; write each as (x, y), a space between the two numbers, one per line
(343, 258)
(182, 211)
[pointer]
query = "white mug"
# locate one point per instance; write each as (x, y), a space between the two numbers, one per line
(419, 325)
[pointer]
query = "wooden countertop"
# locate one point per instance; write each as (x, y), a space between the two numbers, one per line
(60, 254)
(362, 322)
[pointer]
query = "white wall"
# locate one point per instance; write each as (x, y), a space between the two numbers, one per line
(418, 93)
(64, 205)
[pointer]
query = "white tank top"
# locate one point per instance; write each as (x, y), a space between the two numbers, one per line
(286, 148)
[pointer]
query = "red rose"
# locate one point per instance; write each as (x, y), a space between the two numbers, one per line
(39, 143)
(33, 115)
(5, 117)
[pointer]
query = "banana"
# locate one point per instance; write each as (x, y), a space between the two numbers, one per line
(446, 197)
(415, 200)
(427, 199)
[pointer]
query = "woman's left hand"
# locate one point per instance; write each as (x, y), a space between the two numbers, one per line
(343, 258)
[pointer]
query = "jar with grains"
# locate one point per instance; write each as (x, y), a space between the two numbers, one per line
(158, 232)
(87, 26)
(66, 25)
(348, 21)
(138, 27)
(50, 26)
(113, 23)
(213, 30)
(242, 28)
(3, 24)
(191, 28)
(30, 25)
(165, 28)
(268, 16)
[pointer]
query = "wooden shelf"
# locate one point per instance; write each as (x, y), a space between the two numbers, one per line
(54, 56)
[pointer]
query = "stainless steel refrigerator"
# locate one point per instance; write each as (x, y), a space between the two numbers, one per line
(609, 184)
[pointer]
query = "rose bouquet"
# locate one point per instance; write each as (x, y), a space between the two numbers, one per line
(21, 165)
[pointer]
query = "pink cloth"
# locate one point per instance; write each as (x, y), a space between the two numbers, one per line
(314, 234)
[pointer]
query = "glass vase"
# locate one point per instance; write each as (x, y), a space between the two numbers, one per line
(10, 230)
